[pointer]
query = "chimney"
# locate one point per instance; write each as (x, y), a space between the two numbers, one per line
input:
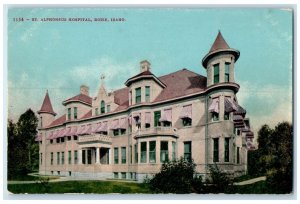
(145, 66)
(84, 90)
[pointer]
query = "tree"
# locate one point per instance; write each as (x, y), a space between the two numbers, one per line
(22, 148)
(280, 167)
(274, 157)
(177, 177)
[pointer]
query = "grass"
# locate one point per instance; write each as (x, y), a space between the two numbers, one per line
(255, 188)
(97, 187)
(31, 178)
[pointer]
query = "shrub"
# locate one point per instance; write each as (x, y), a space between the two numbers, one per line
(218, 181)
(177, 177)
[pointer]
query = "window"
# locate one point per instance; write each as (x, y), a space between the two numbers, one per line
(83, 156)
(143, 152)
(216, 73)
(69, 113)
(69, 157)
(58, 172)
(62, 158)
(75, 112)
(147, 93)
(156, 118)
(116, 132)
(188, 151)
(226, 116)
(123, 175)
(136, 154)
(102, 105)
(41, 158)
(57, 157)
(227, 71)
(226, 150)
(237, 155)
(216, 150)
(215, 116)
(96, 111)
(89, 156)
(75, 157)
(116, 175)
(147, 125)
(123, 154)
(108, 108)
(57, 140)
(186, 122)
(51, 158)
(130, 97)
(164, 151)
(62, 139)
(69, 138)
(152, 151)
(75, 138)
(116, 155)
(167, 124)
(173, 151)
(138, 95)
(130, 154)
(51, 141)
(123, 131)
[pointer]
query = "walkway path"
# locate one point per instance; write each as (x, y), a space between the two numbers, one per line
(262, 178)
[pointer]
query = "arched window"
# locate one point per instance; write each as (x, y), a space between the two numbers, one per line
(102, 107)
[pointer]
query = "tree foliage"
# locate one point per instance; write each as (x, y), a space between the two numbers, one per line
(22, 148)
(274, 157)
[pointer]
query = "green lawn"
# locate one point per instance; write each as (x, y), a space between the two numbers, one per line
(255, 188)
(98, 187)
(103, 187)
(31, 178)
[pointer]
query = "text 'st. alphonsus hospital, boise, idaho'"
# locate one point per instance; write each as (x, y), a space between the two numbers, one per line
(129, 133)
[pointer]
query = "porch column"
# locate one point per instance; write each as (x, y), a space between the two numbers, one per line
(80, 156)
(109, 156)
(97, 155)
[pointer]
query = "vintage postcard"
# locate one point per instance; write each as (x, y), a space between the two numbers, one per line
(149, 100)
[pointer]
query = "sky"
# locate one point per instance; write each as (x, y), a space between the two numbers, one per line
(61, 56)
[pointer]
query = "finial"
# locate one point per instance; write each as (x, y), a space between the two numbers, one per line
(102, 77)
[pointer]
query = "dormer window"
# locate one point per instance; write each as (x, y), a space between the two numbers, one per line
(138, 95)
(147, 93)
(69, 113)
(75, 112)
(102, 105)
(216, 73)
(227, 71)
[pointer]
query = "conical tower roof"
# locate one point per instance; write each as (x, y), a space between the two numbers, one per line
(47, 106)
(219, 43)
(219, 46)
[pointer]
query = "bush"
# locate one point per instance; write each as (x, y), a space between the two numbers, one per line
(177, 177)
(219, 181)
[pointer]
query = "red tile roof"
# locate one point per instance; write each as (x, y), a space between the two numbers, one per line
(181, 83)
(178, 84)
(80, 98)
(87, 115)
(47, 106)
(219, 43)
(59, 121)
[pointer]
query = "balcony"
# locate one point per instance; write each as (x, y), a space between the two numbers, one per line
(156, 131)
(94, 138)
